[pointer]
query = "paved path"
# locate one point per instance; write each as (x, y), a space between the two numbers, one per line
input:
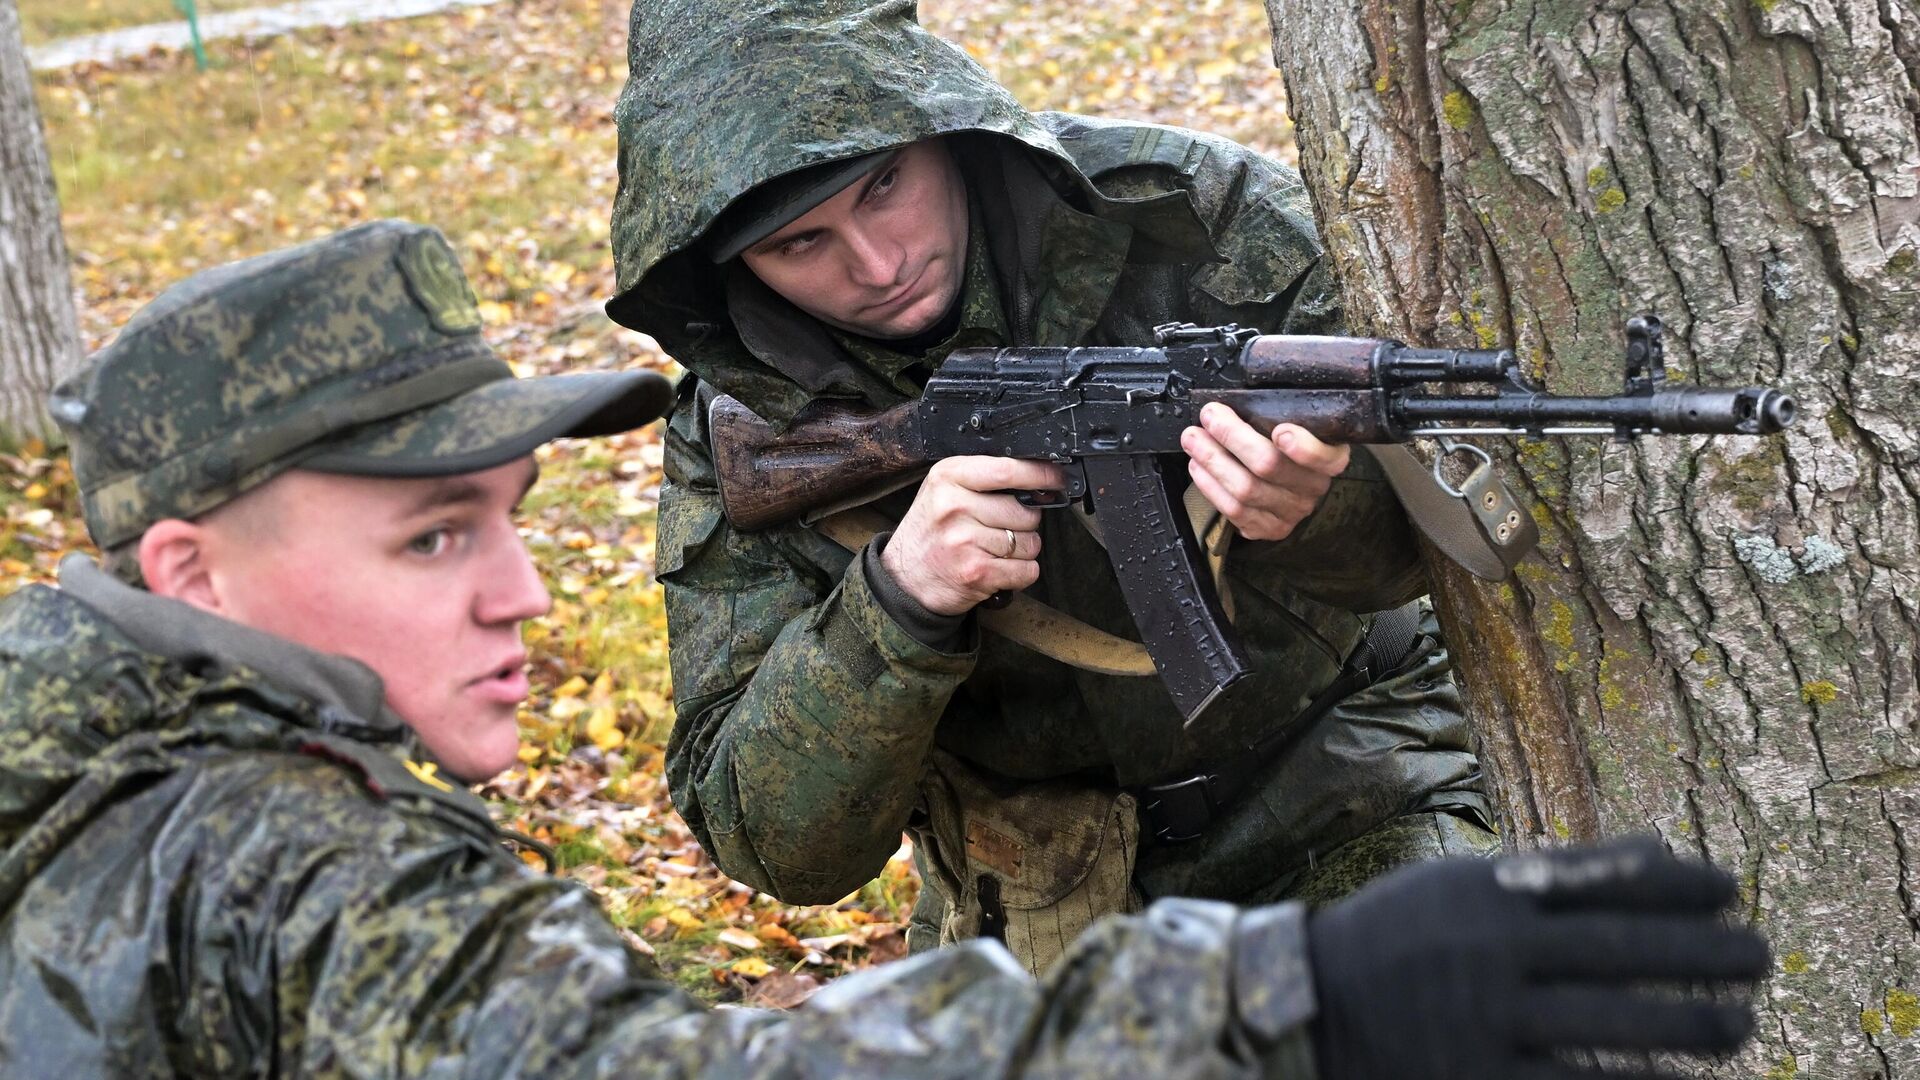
(251, 23)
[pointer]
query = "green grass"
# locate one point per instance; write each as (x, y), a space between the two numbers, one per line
(453, 119)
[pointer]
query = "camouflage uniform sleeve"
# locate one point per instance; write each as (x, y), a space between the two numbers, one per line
(806, 713)
(1189, 988)
(1357, 550)
(395, 946)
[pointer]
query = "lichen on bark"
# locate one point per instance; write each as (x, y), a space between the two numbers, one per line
(1718, 639)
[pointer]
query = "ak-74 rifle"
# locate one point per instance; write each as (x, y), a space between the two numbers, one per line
(1113, 415)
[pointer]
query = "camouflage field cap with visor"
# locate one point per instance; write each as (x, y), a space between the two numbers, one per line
(358, 353)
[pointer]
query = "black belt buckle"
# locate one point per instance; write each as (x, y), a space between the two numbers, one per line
(1179, 811)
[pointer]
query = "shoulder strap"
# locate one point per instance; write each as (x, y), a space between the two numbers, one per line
(1481, 527)
(1025, 621)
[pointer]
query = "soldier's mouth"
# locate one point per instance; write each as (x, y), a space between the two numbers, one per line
(506, 684)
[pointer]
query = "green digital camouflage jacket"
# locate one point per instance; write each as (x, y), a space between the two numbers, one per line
(806, 715)
(205, 872)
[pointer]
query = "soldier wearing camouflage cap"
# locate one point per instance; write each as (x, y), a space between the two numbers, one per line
(360, 355)
(230, 840)
(251, 760)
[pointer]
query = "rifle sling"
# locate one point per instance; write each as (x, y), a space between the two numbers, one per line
(1484, 530)
(1024, 621)
(1462, 527)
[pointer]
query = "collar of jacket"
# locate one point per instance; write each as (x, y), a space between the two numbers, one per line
(349, 694)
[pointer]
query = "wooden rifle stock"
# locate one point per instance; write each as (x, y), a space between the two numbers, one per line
(830, 453)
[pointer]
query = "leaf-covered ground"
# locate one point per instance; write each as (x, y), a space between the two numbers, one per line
(495, 125)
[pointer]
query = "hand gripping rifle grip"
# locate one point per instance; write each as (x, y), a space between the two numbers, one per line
(1164, 579)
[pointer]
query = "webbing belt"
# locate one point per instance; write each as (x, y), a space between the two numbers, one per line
(1177, 810)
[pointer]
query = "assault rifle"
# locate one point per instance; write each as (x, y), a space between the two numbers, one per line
(1111, 415)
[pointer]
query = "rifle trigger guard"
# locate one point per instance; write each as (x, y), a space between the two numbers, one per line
(1448, 448)
(1043, 500)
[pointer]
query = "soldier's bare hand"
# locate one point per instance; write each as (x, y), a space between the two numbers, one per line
(962, 539)
(1265, 486)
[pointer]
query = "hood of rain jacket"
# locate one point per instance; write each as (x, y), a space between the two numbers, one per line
(725, 95)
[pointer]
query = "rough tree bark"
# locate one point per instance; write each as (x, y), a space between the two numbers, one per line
(39, 334)
(1718, 638)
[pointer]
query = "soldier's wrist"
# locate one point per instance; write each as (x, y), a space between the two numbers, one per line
(937, 631)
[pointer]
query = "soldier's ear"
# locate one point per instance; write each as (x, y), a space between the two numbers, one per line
(175, 563)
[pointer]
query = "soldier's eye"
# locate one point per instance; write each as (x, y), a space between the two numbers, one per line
(432, 542)
(884, 184)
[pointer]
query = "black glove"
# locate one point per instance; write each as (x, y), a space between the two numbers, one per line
(1474, 969)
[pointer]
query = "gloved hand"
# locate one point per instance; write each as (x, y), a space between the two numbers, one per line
(1469, 969)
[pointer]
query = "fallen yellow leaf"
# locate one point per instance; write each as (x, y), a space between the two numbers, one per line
(1215, 70)
(603, 727)
(752, 967)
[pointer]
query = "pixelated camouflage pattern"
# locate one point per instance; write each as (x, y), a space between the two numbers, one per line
(1414, 838)
(203, 874)
(163, 419)
(804, 82)
(806, 716)
(498, 420)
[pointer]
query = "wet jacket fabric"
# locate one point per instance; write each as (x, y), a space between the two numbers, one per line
(206, 872)
(807, 715)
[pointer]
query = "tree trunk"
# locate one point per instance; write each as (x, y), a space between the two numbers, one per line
(39, 335)
(1718, 638)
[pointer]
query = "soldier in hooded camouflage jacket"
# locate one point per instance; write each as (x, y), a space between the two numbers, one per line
(771, 153)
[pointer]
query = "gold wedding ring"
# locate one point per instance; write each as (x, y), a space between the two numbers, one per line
(1011, 544)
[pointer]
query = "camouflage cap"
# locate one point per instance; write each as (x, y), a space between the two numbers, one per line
(357, 353)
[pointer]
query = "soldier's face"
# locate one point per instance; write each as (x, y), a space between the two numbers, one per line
(885, 257)
(425, 581)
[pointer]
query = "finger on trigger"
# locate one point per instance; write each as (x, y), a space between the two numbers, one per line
(1006, 512)
(1023, 475)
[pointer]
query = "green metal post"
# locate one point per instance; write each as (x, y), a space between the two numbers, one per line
(192, 11)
